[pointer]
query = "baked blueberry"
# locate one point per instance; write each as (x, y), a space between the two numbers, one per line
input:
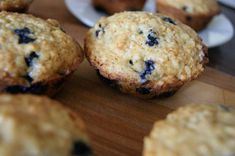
(37, 88)
(143, 90)
(140, 31)
(99, 31)
(131, 62)
(167, 94)
(189, 18)
(112, 83)
(23, 35)
(28, 78)
(185, 8)
(152, 39)
(169, 20)
(149, 67)
(81, 149)
(28, 60)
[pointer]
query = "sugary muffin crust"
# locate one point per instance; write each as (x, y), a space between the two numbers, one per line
(34, 51)
(38, 126)
(114, 6)
(15, 5)
(195, 13)
(194, 130)
(145, 54)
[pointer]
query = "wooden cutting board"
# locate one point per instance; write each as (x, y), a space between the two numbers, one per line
(117, 123)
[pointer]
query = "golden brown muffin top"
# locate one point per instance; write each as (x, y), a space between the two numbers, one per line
(143, 47)
(33, 49)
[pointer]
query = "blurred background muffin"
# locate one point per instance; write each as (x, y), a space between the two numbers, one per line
(114, 6)
(195, 13)
(37, 126)
(194, 130)
(15, 5)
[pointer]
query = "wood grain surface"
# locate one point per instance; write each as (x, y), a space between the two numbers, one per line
(117, 123)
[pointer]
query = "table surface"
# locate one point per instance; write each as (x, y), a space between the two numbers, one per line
(117, 123)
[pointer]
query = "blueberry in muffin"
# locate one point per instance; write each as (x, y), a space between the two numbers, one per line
(195, 13)
(37, 126)
(23, 35)
(145, 54)
(36, 56)
(194, 130)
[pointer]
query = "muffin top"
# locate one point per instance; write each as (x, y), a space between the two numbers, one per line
(194, 6)
(194, 130)
(38, 126)
(34, 50)
(141, 47)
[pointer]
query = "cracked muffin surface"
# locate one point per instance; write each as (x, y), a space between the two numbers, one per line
(15, 5)
(37, 126)
(34, 51)
(145, 54)
(194, 130)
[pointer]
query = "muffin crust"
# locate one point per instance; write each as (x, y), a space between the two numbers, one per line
(149, 51)
(34, 51)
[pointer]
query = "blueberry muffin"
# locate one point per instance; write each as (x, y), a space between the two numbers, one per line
(145, 54)
(38, 126)
(114, 6)
(194, 130)
(15, 5)
(36, 55)
(195, 13)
